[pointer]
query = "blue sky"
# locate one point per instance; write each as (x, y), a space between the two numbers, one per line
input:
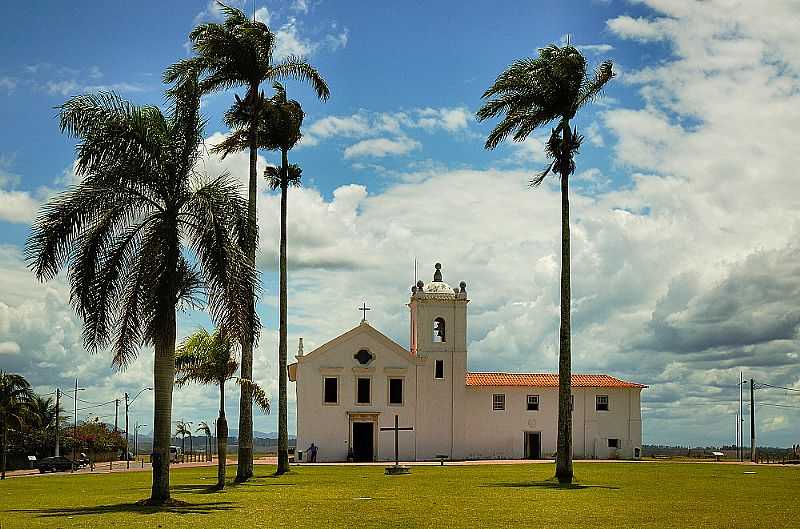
(683, 210)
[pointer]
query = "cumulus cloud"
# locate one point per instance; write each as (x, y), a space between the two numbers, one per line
(376, 125)
(380, 147)
(17, 206)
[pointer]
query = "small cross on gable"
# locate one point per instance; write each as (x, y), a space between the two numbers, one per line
(363, 308)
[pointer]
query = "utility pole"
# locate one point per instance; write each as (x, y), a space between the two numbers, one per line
(127, 459)
(741, 417)
(58, 420)
(75, 426)
(116, 414)
(752, 423)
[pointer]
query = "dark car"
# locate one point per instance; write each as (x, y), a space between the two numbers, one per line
(56, 464)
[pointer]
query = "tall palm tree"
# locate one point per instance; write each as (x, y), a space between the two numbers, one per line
(279, 129)
(532, 93)
(203, 428)
(239, 53)
(15, 397)
(144, 234)
(210, 358)
(183, 429)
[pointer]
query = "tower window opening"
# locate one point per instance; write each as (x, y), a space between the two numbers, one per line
(439, 335)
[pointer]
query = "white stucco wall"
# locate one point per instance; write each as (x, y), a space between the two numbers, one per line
(329, 425)
(500, 434)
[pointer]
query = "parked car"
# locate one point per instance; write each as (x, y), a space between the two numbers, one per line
(56, 464)
(175, 454)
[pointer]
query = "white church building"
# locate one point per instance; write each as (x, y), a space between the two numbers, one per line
(354, 385)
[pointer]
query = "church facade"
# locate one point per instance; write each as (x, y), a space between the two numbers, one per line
(350, 390)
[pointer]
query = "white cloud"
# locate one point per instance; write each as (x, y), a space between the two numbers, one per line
(17, 206)
(337, 41)
(354, 126)
(263, 15)
(592, 49)
(380, 147)
(288, 41)
(8, 83)
(363, 124)
(449, 119)
(595, 135)
(641, 29)
(9, 348)
(300, 6)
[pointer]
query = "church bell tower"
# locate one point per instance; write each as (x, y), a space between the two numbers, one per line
(438, 316)
(439, 343)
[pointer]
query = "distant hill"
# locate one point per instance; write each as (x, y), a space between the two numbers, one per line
(234, 432)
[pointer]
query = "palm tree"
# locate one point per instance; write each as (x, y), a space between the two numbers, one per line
(15, 397)
(532, 93)
(183, 429)
(239, 53)
(144, 234)
(279, 129)
(209, 358)
(41, 412)
(203, 428)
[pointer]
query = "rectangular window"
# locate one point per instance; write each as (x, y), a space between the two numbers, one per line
(601, 403)
(362, 391)
(613, 443)
(533, 402)
(331, 390)
(396, 391)
(439, 369)
(498, 402)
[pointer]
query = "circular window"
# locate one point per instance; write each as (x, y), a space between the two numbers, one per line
(364, 357)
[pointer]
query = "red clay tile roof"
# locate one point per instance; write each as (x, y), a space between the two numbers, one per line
(546, 380)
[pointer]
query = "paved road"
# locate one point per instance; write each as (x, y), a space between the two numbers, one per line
(119, 466)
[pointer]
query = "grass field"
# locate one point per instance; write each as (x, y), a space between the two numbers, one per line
(609, 495)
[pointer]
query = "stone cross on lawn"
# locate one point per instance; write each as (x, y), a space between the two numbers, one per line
(396, 429)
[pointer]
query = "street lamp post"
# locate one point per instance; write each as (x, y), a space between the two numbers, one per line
(127, 405)
(136, 439)
(75, 425)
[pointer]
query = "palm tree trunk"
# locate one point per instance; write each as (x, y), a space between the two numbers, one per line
(163, 378)
(244, 469)
(283, 435)
(191, 445)
(564, 445)
(222, 438)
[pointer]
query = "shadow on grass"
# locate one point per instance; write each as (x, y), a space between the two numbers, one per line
(193, 508)
(548, 485)
(197, 489)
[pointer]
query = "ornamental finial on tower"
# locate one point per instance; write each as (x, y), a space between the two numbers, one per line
(437, 275)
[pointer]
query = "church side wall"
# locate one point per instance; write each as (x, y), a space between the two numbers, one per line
(490, 434)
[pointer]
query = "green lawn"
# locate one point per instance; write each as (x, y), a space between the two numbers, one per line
(610, 495)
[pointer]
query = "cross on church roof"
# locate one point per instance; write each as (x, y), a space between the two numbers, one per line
(363, 308)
